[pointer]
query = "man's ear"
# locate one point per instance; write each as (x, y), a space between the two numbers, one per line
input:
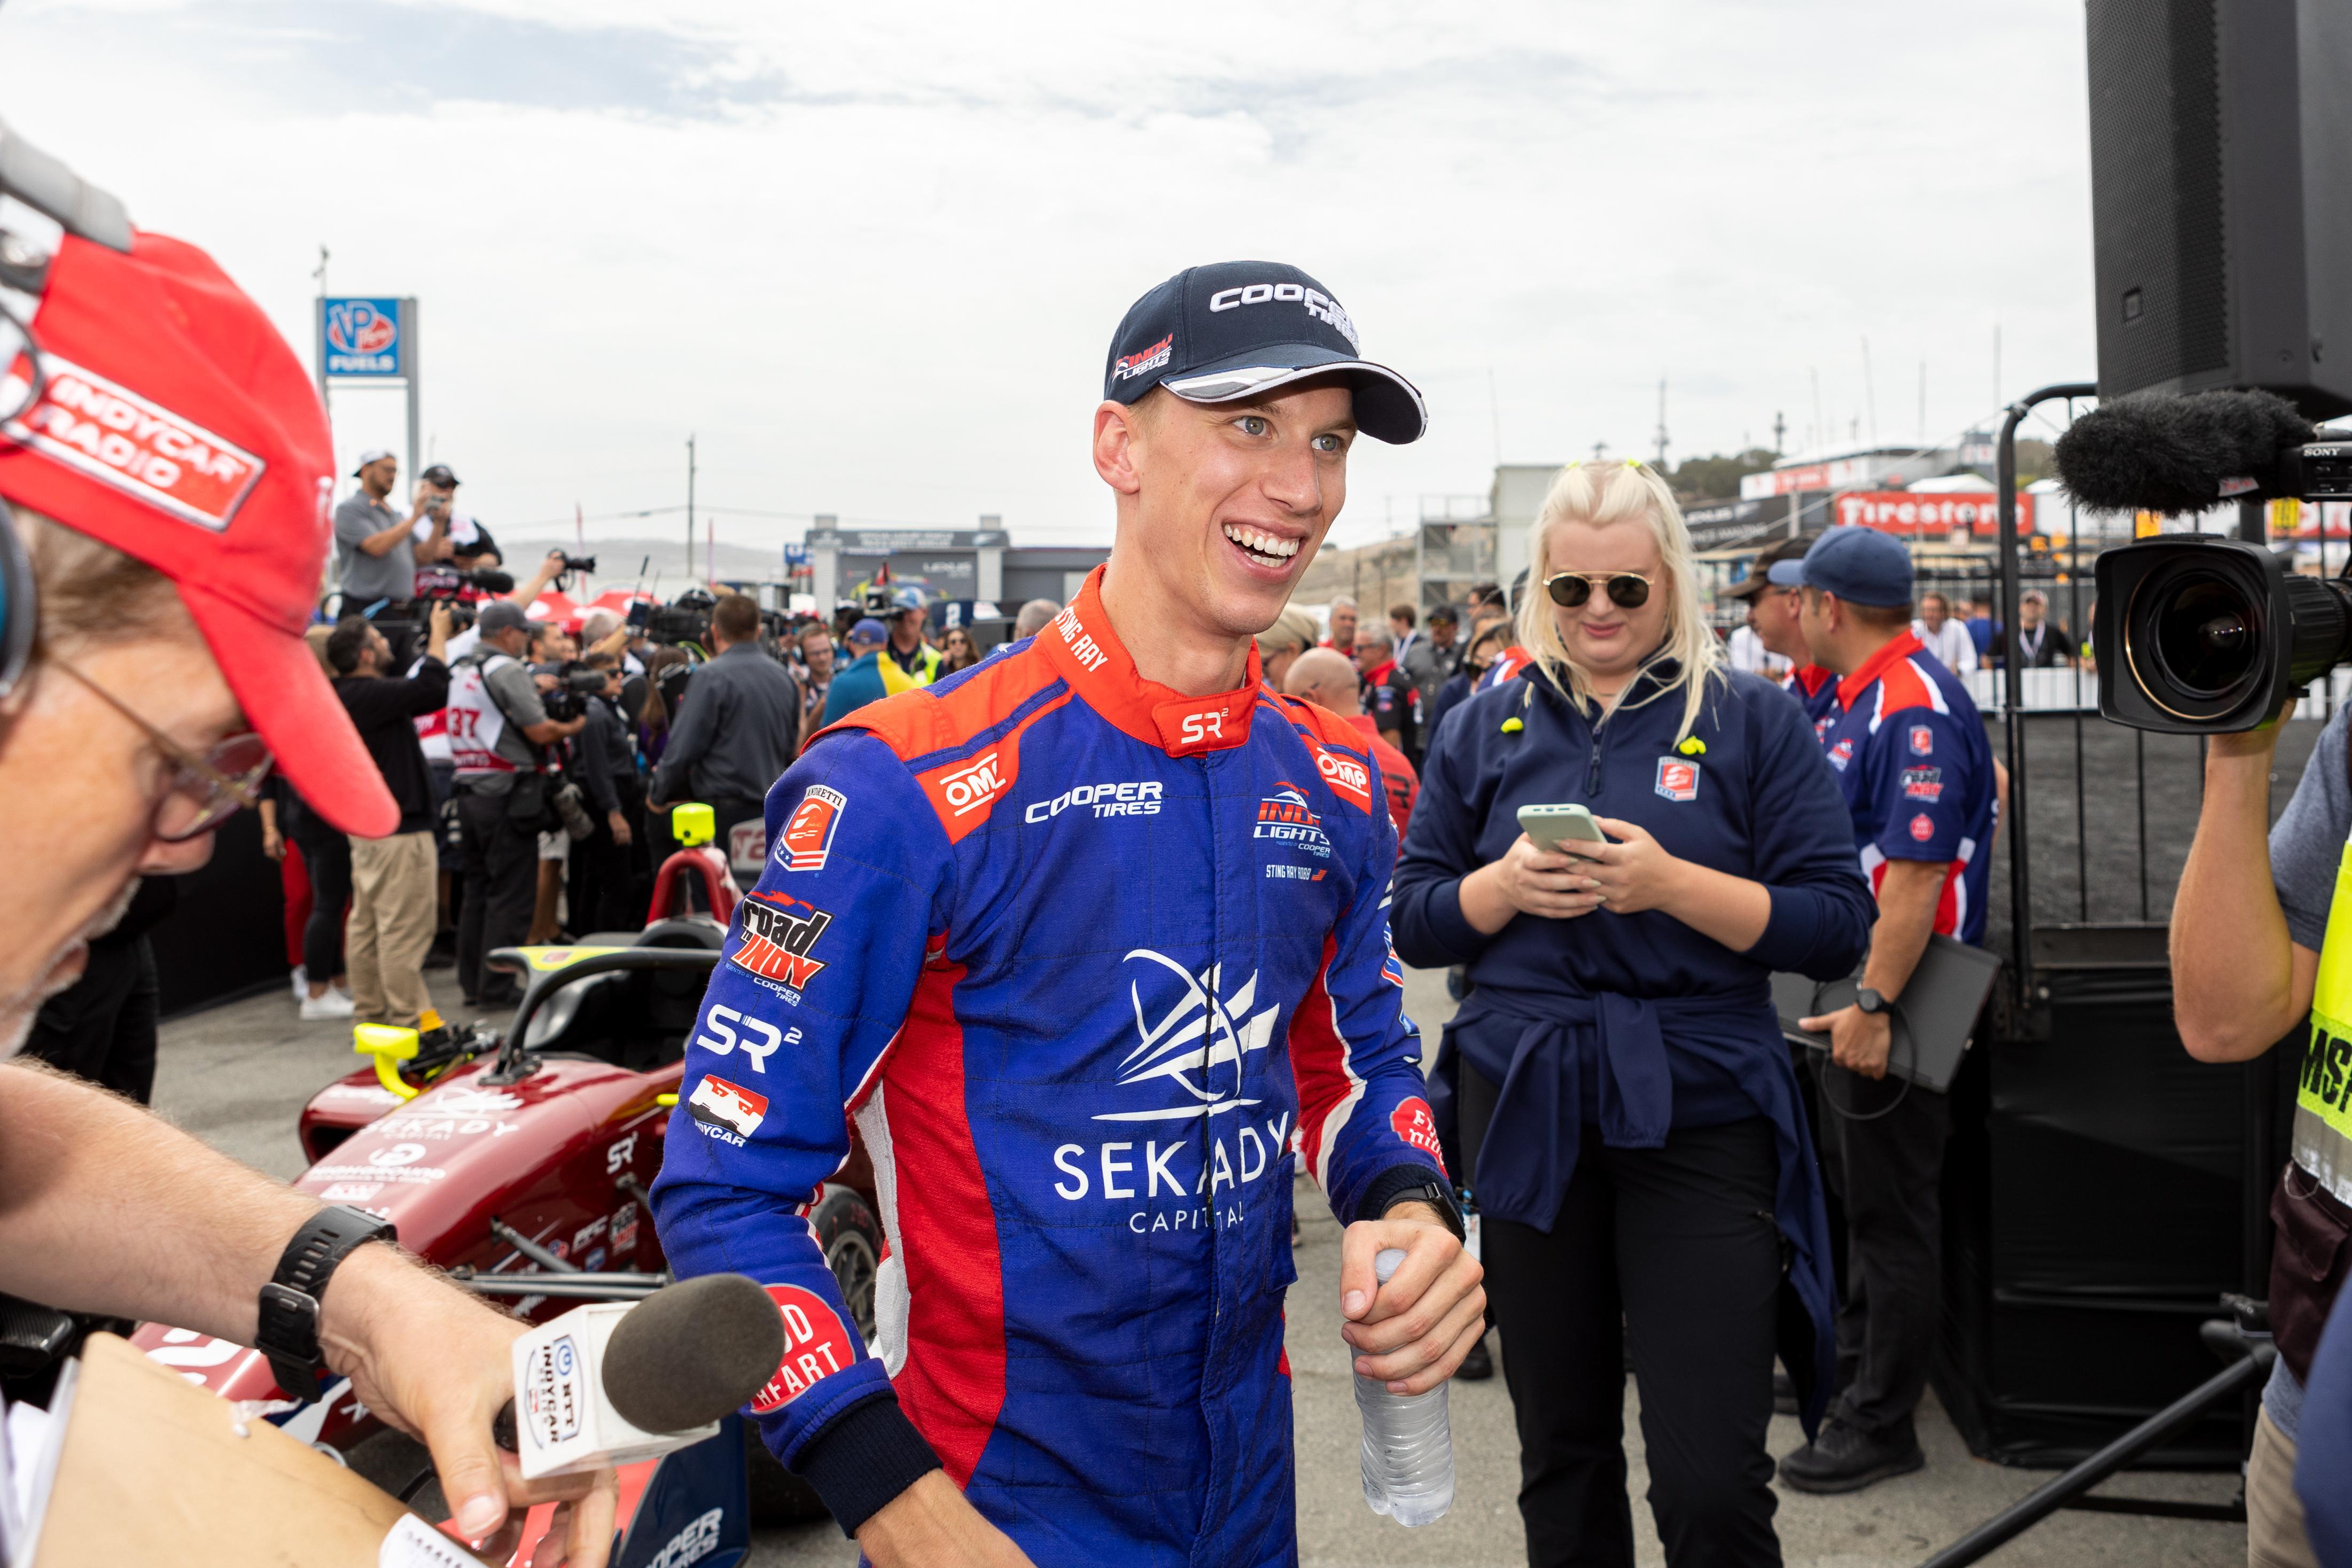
(1118, 446)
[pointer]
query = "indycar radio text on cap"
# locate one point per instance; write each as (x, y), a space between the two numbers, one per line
(1241, 329)
(177, 425)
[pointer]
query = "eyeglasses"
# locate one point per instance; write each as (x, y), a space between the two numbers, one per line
(21, 375)
(1626, 589)
(204, 791)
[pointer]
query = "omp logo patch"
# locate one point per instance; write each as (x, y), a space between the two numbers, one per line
(778, 935)
(972, 786)
(816, 1346)
(807, 836)
(1348, 777)
(110, 434)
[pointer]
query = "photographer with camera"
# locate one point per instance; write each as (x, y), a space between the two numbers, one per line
(377, 565)
(496, 726)
(151, 672)
(738, 728)
(465, 543)
(604, 894)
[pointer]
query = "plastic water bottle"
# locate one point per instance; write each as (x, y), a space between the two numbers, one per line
(1408, 1447)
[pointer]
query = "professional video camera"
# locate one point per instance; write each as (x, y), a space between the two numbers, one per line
(449, 585)
(572, 689)
(572, 563)
(2200, 634)
(685, 618)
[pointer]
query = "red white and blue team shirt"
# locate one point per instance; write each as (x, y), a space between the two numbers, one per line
(1910, 753)
(1815, 690)
(1092, 968)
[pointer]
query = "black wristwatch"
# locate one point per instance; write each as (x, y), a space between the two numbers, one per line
(289, 1331)
(1435, 1194)
(1869, 1001)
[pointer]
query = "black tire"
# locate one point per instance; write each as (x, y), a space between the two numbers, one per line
(850, 1239)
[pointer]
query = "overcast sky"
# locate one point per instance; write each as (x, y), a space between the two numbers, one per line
(872, 255)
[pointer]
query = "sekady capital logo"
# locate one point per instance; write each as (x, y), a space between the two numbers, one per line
(1198, 1033)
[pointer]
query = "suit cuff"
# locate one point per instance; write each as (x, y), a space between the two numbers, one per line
(864, 1458)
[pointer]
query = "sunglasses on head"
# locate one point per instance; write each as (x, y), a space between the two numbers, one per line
(1626, 589)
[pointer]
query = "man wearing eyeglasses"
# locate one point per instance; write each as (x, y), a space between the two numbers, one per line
(166, 468)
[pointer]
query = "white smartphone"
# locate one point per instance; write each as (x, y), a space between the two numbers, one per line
(1547, 825)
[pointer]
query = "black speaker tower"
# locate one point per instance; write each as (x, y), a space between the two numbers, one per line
(2221, 196)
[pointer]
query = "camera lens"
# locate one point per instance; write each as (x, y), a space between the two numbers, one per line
(2204, 635)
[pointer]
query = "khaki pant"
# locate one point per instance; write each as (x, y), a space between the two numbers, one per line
(2275, 1537)
(391, 928)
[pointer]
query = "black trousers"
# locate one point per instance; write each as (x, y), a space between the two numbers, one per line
(501, 890)
(1675, 1251)
(1888, 1173)
(327, 855)
(605, 891)
(103, 1026)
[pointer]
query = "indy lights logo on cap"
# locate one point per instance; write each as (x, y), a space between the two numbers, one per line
(113, 435)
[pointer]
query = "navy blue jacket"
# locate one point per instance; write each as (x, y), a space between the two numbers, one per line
(1633, 1024)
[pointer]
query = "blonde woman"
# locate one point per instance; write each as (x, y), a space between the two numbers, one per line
(1615, 1085)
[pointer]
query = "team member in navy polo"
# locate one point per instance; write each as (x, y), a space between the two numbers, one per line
(1911, 756)
(1771, 590)
(1627, 1114)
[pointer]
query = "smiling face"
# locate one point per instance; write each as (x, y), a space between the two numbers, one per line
(1221, 506)
(1606, 640)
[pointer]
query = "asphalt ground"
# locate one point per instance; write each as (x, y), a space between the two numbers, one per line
(237, 1075)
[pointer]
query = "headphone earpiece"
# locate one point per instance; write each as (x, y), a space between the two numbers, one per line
(19, 605)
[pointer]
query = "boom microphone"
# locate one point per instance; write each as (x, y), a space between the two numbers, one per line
(614, 1383)
(2156, 453)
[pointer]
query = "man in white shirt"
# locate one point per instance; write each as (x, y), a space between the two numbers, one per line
(1944, 636)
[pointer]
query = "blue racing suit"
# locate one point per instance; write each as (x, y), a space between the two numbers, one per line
(1085, 961)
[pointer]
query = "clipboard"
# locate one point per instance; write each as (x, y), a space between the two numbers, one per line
(153, 1470)
(1938, 1017)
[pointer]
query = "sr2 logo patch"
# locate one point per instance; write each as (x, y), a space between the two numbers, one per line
(724, 1030)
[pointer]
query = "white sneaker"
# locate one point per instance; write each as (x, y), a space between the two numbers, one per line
(301, 977)
(332, 1004)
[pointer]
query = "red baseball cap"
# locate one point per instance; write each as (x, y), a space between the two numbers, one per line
(178, 426)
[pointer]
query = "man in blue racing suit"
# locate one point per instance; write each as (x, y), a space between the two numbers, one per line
(1090, 943)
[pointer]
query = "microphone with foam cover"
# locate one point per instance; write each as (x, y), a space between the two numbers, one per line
(611, 1382)
(2156, 453)
(691, 1353)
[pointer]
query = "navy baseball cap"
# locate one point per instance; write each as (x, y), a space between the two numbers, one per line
(868, 631)
(1860, 566)
(1237, 328)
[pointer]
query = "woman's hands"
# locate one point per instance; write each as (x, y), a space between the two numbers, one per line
(1631, 873)
(1527, 881)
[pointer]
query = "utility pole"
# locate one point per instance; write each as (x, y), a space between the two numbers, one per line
(1779, 432)
(689, 508)
(319, 334)
(1869, 390)
(1661, 463)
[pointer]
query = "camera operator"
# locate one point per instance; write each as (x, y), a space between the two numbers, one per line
(465, 543)
(1917, 775)
(497, 724)
(378, 546)
(167, 665)
(737, 728)
(604, 864)
(2261, 931)
(393, 877)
